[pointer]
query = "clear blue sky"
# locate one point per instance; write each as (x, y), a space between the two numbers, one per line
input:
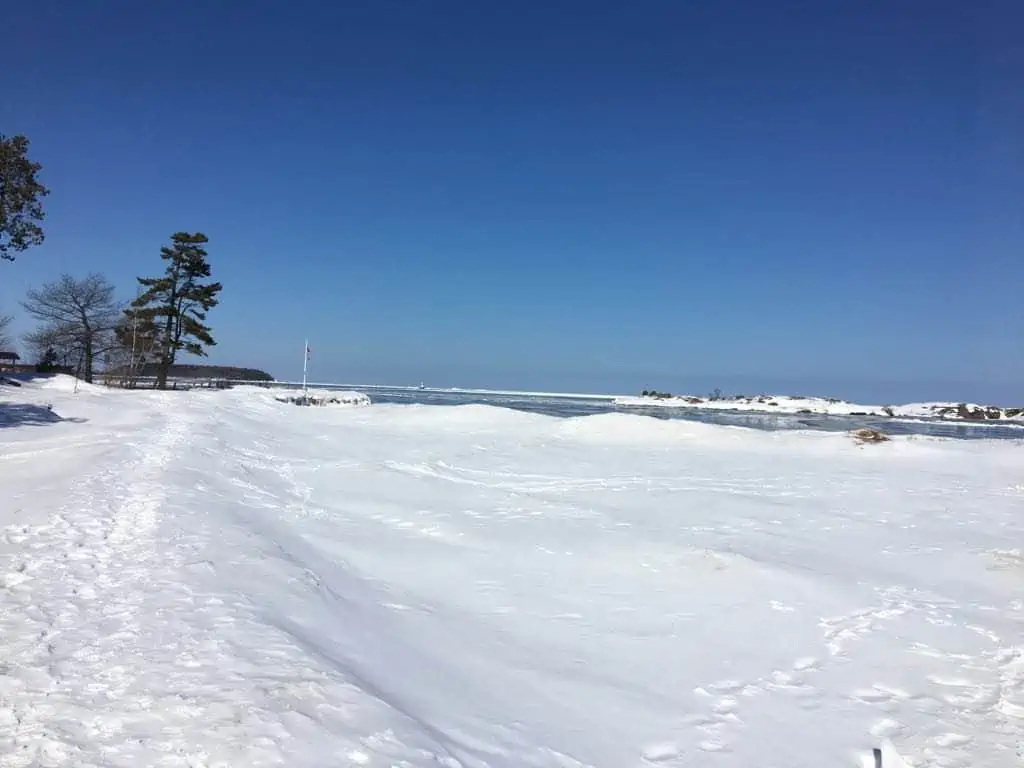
(818, 197)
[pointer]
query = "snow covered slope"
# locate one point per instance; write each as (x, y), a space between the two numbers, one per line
(219, 579)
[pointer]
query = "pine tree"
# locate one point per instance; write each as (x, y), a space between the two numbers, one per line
(21, 194)
(48, 361)
(177, 303)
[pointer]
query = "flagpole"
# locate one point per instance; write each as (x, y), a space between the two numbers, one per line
(305, 365)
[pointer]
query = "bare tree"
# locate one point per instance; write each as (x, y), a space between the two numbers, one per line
(63, 341)
(77, 319)
(136, 344)
(5, 335)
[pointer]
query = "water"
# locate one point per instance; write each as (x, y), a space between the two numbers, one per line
(567, 407)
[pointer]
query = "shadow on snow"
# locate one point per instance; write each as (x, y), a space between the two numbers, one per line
(27, 414)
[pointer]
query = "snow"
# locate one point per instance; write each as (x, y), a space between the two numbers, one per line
(767, 404)
(790, 404)
(321, 396)
(211, 578)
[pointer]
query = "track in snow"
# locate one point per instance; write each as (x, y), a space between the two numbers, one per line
(73, 595)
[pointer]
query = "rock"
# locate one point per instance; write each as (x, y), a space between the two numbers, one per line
(993, 413)
(975, 414)
(324, 398)
(868, 435)
(1012, 413)
(805, 411)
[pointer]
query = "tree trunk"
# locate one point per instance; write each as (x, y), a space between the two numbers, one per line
(161, 374)
(88, 360)
(87, 337)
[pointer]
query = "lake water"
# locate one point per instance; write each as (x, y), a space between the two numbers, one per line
(565, 407)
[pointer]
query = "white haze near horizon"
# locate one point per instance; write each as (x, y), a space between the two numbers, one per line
(217, 578)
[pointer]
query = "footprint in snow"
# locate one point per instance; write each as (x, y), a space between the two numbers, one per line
(806, 663)
(886, 728)
(660, 753)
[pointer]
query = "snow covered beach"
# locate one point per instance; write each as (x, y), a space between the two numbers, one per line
(217, 578)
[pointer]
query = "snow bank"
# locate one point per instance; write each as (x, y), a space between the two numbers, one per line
(460, 418)
(208, 578)
(321, 397)
(765, 403)
(625, 428)
(65, 383)
(58, 382)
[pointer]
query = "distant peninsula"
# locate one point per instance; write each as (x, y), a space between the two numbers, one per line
(200, 371)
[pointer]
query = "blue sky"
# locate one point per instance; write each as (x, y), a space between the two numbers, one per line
(594, 196)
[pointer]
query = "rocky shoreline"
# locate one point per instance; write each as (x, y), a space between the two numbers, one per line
(978, 413)
(829, 406)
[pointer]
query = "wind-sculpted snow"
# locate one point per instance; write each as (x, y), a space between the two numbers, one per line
(220, 579)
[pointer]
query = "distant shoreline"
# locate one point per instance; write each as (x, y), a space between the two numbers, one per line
(766, 404)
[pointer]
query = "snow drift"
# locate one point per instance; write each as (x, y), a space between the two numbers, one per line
(209, 579)
(321, 397)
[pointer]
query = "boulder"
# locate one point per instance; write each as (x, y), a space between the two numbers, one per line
(868, 435)
(970, 414)
(324, 398)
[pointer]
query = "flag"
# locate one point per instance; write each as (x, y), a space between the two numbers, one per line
(307, 351)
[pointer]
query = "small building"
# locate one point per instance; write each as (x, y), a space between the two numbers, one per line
(9, 361)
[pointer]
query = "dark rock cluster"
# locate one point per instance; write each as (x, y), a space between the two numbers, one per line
(985, 413)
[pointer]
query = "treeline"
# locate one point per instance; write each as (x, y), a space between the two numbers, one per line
(82, 325)
(196, 371)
